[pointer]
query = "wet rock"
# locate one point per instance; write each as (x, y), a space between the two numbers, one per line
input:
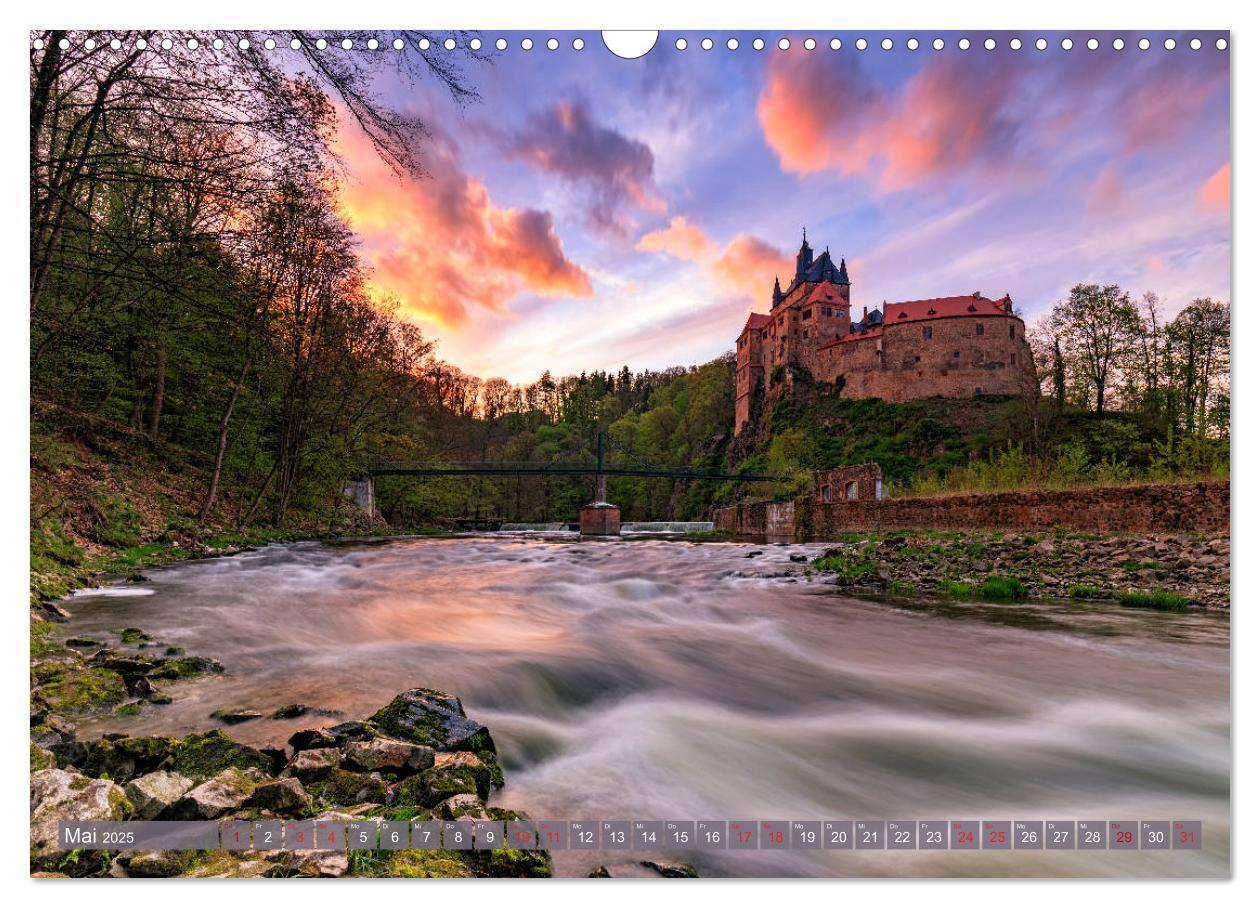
(51, 730)
(283, 796)
(58, 795)
(279, 757)
(227, 791)
(156, 792)
(173, 651)
(345, 732)
(292, 711)
(311, 739)
(313, 765)
(672, 870)
(140, 687)
(41, 758)
(434, 719)
(753, 554)
(388, 754)
(455, 774)
(235, 716)
(599, 873)
(798, 559)
(313, 863)
(83, 643)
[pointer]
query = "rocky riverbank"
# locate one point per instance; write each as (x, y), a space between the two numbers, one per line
(420, 757)
(1162, 571)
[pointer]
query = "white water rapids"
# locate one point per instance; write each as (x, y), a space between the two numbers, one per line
(655, 679)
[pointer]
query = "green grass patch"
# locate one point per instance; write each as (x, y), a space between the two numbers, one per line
(1003, 589)
(901, 588)
(1161, 600)
(956, 589)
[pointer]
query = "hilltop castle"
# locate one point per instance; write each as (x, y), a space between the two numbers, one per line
(951, 346)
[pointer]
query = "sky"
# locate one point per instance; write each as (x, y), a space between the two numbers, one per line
(589, 212)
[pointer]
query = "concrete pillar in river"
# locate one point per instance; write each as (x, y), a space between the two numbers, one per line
(599, 518)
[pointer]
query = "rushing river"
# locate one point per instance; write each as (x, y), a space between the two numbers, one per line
(656, 679)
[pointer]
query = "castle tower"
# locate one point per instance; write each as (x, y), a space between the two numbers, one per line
(804, 258)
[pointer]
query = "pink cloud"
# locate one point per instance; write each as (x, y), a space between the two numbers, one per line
(819, 112)
(440, 245)
(680, 239)
(1215, 192)
(1107, 192)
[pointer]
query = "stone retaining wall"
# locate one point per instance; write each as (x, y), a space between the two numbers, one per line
(1169, 508)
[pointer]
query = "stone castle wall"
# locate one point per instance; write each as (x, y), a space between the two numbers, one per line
(902, 364)
(1168, 508)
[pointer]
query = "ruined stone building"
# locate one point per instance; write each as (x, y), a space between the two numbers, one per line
(950, 346)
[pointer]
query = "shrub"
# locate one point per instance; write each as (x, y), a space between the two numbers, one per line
(1003, 589)
(1162, 600)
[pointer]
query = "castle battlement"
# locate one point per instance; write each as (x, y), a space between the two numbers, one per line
(950, 346)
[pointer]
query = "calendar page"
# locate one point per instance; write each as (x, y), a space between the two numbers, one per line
(674, 454)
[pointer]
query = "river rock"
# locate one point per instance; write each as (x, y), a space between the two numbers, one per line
(456, 773)
(313, 863)
(388, 754)
(434, 719)
(154, 793)
(227, 791)
(58, 795)
(672, 870)
(311, 739)
(600, 873)
(235, 716)
(125, 758)
(313, 765)
(283, 796)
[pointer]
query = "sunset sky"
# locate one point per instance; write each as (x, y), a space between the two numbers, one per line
(590, 212)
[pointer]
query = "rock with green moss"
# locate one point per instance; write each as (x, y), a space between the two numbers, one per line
(41, 758)
(203, 755)
(55, 664)
(159, 863)
(123, 759)
(510, 863)
(58, 795)
(436, 864)
(132, 635)
(86, 691)
(434, 719)
(187, 667)
(224, 793)
(457, 773)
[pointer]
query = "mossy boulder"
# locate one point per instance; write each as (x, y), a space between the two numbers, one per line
(224, 793)
(459, 774)
(55, 665)
(187, 667)
(434, 719)
(203, 755)
(155, 793)
(510, 863)
(89, 690)
(434, 864)
(285, 797)
(122, 759)
(160, 864)
(41, 758)
(132, 635)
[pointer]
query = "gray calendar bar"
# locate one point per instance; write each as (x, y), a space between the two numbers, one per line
(637, 835)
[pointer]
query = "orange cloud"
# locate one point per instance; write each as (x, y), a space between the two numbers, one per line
(1215, 192)
(748, 265)
(680, 239)
(819, 112)
(440, 244)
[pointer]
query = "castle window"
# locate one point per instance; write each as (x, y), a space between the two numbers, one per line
(826, 494)
(979, 390)
(955, 354)
(917, 358)
(851, 491)
(979, 328)
(806, 314)
(1012, 359)
(1012, 331)
(826, 310)
(806, 334)
(927, 332)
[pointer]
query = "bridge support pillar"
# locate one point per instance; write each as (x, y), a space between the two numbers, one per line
(599, 518)
(363, 493)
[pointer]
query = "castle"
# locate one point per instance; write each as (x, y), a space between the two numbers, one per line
(951, 346)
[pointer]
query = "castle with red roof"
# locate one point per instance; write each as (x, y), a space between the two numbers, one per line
(951, 346)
